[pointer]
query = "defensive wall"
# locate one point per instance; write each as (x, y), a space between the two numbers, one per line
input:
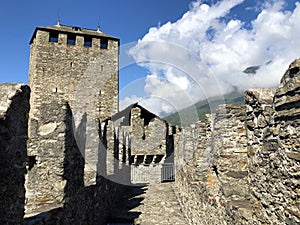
(245, 168)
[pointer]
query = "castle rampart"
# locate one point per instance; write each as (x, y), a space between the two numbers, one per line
(247, 171)
(238, 166)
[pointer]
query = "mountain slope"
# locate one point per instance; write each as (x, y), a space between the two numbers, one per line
(197, 111)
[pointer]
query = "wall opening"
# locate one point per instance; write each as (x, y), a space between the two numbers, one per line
(147, 116)
(31, 162)
(71, 39)
(158, 158)
(53, 37)
(87, 42)
(104, 43)
(149, 159)
(139, 160)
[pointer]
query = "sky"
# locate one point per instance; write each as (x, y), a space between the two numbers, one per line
(173, 53)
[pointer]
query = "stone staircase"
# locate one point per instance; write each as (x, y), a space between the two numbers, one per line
(155, 204)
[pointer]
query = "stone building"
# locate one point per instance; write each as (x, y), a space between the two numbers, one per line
(73, 77)
(139, 144)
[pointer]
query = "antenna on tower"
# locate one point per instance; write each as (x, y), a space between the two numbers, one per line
(58, 18)
(98, 29)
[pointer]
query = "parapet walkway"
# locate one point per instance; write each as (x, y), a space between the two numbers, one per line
(155, 204)
(160, 207)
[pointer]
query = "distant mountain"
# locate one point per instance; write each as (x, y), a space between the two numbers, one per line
(251, 69)
(203, 107)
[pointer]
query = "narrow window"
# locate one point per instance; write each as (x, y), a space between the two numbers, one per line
(53, 37)
(71, 39)
(31, 162)
(87, 42)
(104, 43)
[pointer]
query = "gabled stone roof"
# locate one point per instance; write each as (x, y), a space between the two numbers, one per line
(127, 111)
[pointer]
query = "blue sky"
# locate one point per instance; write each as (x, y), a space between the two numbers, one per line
(128, 20)
(185, 50)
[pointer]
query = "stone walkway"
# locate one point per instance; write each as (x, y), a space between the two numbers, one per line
(155, 204)
(160, 206)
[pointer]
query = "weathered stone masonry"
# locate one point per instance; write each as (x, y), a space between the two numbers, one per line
(14, 109)
(239, 166)
(245, 169)
(213, 186)
(139, 144)
(273, 128)
(80, 67)
(74, 80)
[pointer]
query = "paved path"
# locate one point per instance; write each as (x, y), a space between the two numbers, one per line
(155, 204)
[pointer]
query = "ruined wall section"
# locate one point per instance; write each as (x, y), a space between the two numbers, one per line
(14, 109)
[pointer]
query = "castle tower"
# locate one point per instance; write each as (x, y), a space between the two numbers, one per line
(73, 71)
(63, 59)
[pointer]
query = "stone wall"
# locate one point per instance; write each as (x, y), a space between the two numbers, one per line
(273, 118)
(217, 174)
(14, 109)
(56, 182)
(245, 169)
(137, 144)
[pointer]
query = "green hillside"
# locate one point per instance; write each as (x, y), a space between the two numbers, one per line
(198, 111)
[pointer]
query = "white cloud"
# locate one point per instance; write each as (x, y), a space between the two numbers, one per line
(202, 55)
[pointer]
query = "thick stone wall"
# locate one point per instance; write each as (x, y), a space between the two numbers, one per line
(217, 175)
(138, 143)
(59, 194)
(14, 109)
(273, 118)
(246, 169)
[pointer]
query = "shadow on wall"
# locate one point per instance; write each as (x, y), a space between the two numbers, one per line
(94, 204)
(13, 135)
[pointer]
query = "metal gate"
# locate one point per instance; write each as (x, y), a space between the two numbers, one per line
(152, 173)
(167, 172)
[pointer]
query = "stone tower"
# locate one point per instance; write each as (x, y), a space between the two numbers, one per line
(66, 60)
(73, 74)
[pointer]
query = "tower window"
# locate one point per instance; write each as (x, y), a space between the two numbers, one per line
(71, 39)
(53, 37)
(103, 43)
(87, 42)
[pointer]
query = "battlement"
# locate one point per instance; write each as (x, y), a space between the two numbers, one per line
(74, 36)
